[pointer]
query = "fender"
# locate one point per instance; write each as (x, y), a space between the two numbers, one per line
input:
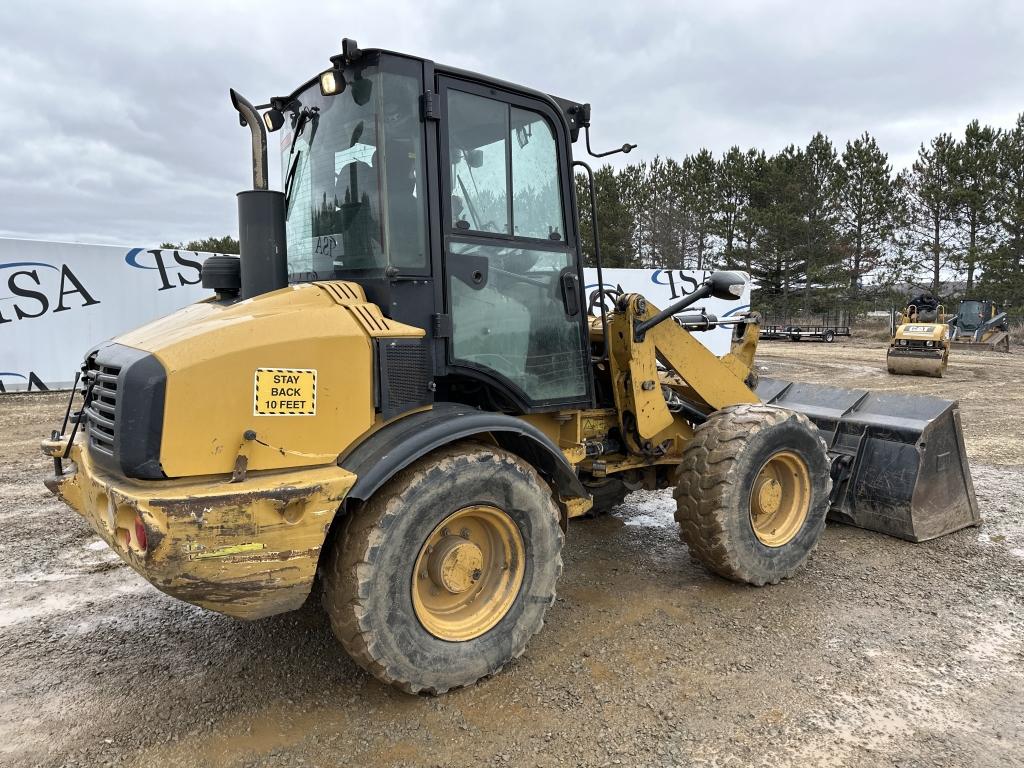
(390, 449)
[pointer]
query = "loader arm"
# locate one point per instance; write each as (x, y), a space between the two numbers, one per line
(703, 381)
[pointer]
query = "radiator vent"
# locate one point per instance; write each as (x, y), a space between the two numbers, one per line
(405, 375)
(101, 383)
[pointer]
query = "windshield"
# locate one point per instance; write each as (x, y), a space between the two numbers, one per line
(352, 169)
(971, 314)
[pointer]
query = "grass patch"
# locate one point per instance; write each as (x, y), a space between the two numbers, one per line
(1017, 332)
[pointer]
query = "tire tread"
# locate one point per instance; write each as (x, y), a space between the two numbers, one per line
(350, 563)
(704, 478)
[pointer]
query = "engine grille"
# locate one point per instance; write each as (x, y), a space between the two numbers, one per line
(101, 382)
(405, 374)
(917, 344)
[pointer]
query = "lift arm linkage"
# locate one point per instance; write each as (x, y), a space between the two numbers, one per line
(699, 376)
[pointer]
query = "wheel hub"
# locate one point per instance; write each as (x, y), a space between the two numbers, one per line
(455, 564)
(468, 573)
(769, 496)
(780, 499)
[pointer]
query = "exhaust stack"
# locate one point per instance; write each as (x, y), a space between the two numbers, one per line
(261, 215)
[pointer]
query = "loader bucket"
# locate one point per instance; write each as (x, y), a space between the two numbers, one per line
(899, 465)
(998, 341)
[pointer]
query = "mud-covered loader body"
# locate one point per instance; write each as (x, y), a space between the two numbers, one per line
(397, 387)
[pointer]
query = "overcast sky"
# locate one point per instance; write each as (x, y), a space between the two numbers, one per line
(115, 126)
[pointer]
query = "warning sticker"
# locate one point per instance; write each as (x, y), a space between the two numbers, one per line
(284, 392)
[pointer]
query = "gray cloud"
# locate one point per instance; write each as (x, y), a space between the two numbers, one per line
(116, 127)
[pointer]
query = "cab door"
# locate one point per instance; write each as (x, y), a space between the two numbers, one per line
(510, 248)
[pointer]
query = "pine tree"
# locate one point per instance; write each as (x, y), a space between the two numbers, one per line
(732, 186)
(819, 198)
(699, 177)
(976, 189)
(777, 266)
(636, 194)
(931, 211)
(1002, 277)
(749, 222)
(613, 218)
(868, 207)
(668, 217)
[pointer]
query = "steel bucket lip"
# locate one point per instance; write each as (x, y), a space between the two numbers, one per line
(860, 405)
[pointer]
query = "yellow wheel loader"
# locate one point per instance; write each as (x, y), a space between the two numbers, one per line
(920, 341)
(396, 395)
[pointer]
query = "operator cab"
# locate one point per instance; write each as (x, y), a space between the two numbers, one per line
(449, 197)
(973, 314)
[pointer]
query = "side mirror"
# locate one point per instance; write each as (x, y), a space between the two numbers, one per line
(474, 158)
(727, 286)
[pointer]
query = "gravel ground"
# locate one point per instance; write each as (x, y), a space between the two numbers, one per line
(879, 653)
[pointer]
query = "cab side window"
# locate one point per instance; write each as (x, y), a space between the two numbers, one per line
(478, 150)
(536, 193)
(504, 169)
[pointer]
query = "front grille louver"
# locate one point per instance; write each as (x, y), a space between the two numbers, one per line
(101, 382)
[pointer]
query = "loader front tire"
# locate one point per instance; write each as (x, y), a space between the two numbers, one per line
(752, 492)
(446, 572)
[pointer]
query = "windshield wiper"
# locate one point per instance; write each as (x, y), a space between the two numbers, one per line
(289, 180)
(306, 115)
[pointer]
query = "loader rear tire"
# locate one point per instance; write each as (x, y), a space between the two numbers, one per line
(443, 576)
(752, 492)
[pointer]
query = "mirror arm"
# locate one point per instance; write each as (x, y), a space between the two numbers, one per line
(625, 148)
(641, 328)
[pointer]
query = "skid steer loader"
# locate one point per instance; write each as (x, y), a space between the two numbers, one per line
(920, 340)
(978, 324)
(396, 392)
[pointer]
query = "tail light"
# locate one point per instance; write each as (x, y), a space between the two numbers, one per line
(141, 541)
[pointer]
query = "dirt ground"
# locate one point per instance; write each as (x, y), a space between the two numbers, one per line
(880, 653)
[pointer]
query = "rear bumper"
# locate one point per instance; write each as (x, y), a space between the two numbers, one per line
(247, 549)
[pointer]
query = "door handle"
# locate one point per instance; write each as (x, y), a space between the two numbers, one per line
(570, 291)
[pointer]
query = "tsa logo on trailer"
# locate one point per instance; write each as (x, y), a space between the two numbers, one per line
(57, 300)
(173, 269)
(36, 288)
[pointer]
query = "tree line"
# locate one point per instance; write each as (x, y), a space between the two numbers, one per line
(226, 244)
(816, 226)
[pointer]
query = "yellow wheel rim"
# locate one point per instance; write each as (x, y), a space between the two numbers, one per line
(780, 499)
(468, 573)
